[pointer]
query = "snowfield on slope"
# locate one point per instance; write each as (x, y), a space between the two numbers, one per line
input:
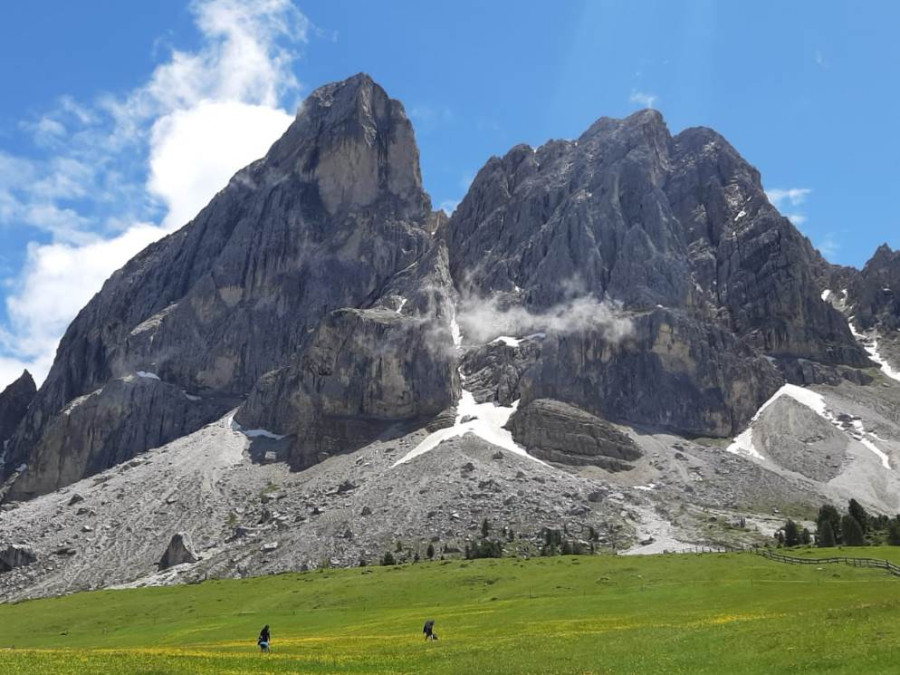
(743, 443)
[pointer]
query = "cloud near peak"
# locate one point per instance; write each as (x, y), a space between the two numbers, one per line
(111, 176)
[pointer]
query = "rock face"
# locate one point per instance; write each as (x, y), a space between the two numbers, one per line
(561, 433)
(874, 292)
(14, 401)
(870, 298)
(677, 232)
(331, 215)
(674, 372)
(367, 372)
(648, 279)
(178, 552)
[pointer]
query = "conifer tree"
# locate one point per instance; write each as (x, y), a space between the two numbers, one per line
(825, 535)
(857, 511)
(851, 531)
(791, 533)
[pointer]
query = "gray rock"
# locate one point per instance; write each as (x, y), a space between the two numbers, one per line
(178, 552)
(16, 556)
(14, 401)
(559, 432)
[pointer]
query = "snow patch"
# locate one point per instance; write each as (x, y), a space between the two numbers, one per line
(455, 332)
(508, 341)
(485, 420)
(870, 344)
(147, 376)
(403, 301)
(826, 294)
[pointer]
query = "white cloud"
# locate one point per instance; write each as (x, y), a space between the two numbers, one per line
(787, 196)
(145, 163)
(796, 218)
(189, 161)
(643, 98)
(58, 280)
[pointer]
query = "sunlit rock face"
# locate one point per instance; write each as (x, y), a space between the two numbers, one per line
(333, 212)
(629, 277)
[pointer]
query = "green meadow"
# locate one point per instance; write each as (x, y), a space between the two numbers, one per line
(710, 613)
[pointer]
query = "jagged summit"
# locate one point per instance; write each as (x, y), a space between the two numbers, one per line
(317, 293)
(14, 401)
(357, 144)
(176, 337)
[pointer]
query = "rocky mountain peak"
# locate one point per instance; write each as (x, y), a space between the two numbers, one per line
(14, 401)
(357, 144)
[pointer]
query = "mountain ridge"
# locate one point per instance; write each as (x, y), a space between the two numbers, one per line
(672, 232)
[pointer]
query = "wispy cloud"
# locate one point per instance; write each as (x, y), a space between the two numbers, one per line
(643, 98)
(787, 196)
(109, 177)
(790, 198)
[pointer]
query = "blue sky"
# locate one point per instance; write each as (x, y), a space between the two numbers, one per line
(119, 120)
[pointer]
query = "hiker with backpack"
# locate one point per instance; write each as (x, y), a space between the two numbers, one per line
(428, 630)
(263, 639)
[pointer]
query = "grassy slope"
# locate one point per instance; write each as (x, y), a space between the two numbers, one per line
(713, 613)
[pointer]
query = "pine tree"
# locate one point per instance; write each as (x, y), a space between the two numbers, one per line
(430, 551)
(857, 511)
(825, 535)
(791, 533)
(388, 559)
(893, 537)
(485, 528)
(805, 537)
(830, 514)
(852, 531)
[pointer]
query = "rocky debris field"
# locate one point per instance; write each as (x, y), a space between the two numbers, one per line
(218, 504)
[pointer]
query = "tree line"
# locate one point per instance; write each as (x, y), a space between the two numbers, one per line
(856, 527)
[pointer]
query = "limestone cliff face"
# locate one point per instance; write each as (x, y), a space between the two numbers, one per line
(332, 213)
(14, 401)
(317, 294)
(632, 214)
(368, 372)
(678, 233)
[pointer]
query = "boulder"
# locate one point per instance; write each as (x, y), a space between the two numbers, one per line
(178, 552)
(558, 432)
(15, 555)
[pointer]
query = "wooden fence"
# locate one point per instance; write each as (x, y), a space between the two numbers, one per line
(877, 563)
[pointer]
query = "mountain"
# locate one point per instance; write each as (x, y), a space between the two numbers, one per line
(179, 335)
(617, 334)
(14, 401)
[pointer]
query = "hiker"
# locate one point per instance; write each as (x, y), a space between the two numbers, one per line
(429, 630)
(263, 639)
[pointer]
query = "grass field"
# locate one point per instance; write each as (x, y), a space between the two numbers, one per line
(713, 613)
